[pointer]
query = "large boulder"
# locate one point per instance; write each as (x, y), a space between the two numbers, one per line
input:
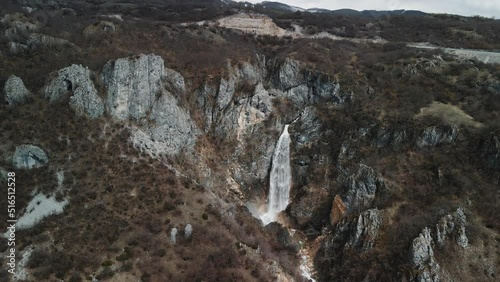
(15, 92)
(28, 157)
(133, 84)
(422, 258)
(76, 79)
(42, 41)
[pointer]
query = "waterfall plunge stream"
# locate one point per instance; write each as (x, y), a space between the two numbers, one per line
(280, 179)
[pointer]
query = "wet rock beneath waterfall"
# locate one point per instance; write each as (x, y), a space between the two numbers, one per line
(29, 156)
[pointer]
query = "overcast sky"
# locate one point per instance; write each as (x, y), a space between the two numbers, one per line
(487, 8)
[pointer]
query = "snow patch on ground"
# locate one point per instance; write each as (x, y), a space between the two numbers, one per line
(40, 207)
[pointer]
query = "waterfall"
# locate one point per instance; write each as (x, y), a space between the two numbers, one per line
(279, 191)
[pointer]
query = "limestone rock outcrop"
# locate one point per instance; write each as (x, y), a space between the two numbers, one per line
(367, 230)
(18, 26)
(361, 188)
(132, 85)
(76, 79)
(29, 156)
(99, 28)
(490, 151)
(43, 41)
(172, 125)
(15, 92)
(135, 89)
(452, 226)
(3, 175)
(310, 127)
(422, 258)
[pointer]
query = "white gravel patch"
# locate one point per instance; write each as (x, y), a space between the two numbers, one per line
(39, 208)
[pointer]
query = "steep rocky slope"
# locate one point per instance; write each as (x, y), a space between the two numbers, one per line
(152, 145)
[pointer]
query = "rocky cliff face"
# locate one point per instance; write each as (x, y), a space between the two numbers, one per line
(355, 234)
(139, 154)
(226, 135)
(422, 258)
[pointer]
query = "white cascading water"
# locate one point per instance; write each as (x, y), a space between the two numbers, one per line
(281, 176)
